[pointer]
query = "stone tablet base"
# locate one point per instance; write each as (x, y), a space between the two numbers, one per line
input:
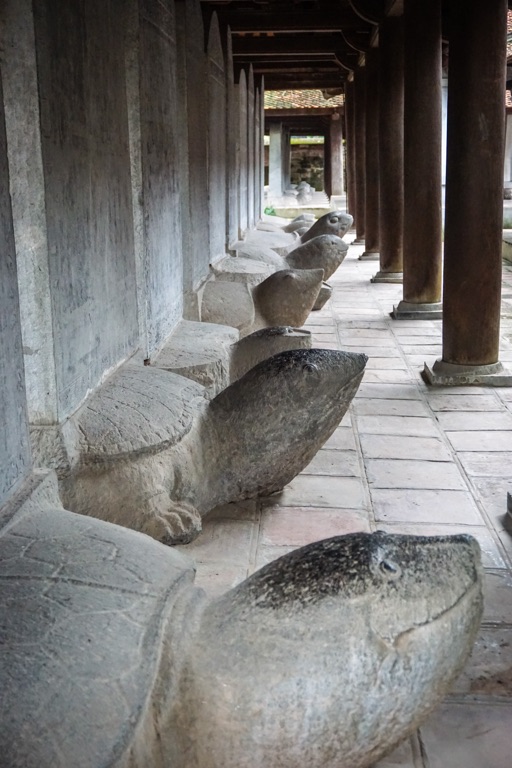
(387, 277)
(201, 352)
(451, 375)
(407, 310)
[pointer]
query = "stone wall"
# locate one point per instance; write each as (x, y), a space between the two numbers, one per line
(84, 144)
(152, 95)
(14, 442)
(193, 157)
(118, 120)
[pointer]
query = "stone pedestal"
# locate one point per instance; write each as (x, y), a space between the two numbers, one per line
(370, 256)
(407, 310)
(387, 277)
(452, 375)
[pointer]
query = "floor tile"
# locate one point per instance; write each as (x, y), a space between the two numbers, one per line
(465, 402)
(381, 363)
(488, 672)
(429, 506)
(487, 464)
(216, 578)
(397, 425)
(404, 756)
(341, 439)
(403, 447)
(498, 596)
(340, 463)
(388, 391)
(397, 473)
(490, 441)
(468, 736)
(313, 491)
(475, 420)
(368, 407)
(219, 537)
(386, 375)
(297, 526)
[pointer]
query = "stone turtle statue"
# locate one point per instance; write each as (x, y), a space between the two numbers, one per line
(285, 297)
(326, 658)
(332, 223)
(153, 453)
(323, 251)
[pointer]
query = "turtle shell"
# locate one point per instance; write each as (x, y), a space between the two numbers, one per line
(83, 609)
(139, 409)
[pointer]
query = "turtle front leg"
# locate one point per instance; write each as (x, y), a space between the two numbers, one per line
(172, 522)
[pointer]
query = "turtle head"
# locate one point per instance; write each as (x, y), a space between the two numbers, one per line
(414, 580)
(335, 651)
(274, 419)
(332, 223)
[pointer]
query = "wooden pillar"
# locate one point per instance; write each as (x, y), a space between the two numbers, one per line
(360, 150)
(422, 233)
(474, 196)
(372, 239)
(335, 139)
(351, 155)
(391, 149)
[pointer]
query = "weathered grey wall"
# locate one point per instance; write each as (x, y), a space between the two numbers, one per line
(84, 141)
(21, 100)
(216, 143)
(244, 156)
(152, 98)
(14, 441)
(233, 148)
(193, 125)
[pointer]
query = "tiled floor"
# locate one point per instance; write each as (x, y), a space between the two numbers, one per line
(405, 458)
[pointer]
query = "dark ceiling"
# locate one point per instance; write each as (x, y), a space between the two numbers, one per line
(303, 43)
(300, 43)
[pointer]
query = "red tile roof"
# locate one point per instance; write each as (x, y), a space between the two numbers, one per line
(304, 99)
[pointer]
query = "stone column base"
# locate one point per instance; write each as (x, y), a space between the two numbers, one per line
(444, 374)
(407, 310)
(358, 241)
(370, 256)
(387, 277)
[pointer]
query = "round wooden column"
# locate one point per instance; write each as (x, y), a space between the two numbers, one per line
(334, 140)
(422, 232)
(474, 196)
(351, 155)
(372, 157)
(391, 149)
(360, 147)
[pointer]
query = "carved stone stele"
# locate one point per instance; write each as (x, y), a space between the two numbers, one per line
(258, 346)
(285, 297)
(326, 658)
